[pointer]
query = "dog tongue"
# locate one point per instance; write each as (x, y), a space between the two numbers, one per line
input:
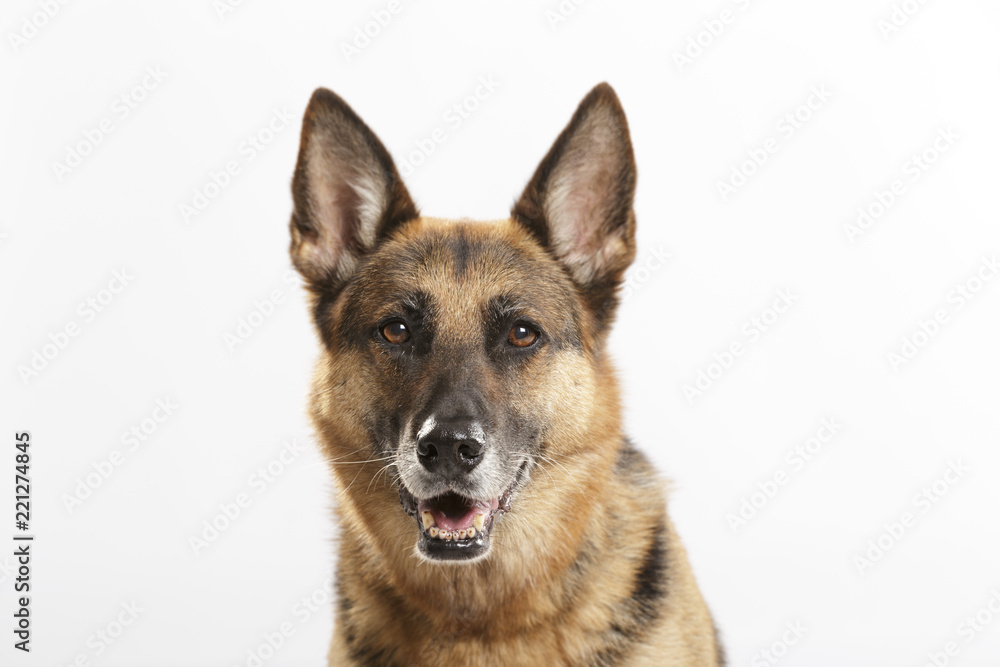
(453, 512)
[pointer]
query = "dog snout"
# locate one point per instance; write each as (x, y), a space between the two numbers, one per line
(452, 448)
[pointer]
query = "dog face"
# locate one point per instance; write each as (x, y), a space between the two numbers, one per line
(458, 354)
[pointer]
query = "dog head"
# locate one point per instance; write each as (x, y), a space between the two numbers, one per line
(461, 357)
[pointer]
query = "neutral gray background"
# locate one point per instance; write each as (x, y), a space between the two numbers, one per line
(885, 96)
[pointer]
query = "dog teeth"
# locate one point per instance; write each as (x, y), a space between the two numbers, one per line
(451, 535)
(478, 524)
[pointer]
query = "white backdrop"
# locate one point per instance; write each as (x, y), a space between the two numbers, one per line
(808, 342)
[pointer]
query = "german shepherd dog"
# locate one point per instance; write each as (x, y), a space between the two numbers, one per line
(490, 509)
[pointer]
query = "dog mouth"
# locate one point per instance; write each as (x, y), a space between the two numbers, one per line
(455, 527)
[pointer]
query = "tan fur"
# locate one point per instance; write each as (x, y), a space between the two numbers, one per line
(586, 569)
(520, 606)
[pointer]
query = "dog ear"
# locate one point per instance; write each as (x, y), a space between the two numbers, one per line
(346, 192)
(579, 202)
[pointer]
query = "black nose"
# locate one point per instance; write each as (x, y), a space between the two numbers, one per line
(451, 448)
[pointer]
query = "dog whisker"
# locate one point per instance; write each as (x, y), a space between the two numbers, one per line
(361, 469)
(383, 469)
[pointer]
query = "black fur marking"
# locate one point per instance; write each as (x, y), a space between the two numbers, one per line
(461, 250)
(454, 398)
(360, 651)
(637, 613)
(720, 652)
(650, 587)
(505, 310)
(344, 604)
(416, 310)
(644, 605)
(383, 278)
(326, 295)
(501, 313)
(364, 654)
(628, 456)
(357, 328)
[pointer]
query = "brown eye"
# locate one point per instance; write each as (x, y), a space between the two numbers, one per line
(396, 332)
(522, 335)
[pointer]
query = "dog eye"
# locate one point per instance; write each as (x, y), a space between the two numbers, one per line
(521, 335)
(395, 332)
